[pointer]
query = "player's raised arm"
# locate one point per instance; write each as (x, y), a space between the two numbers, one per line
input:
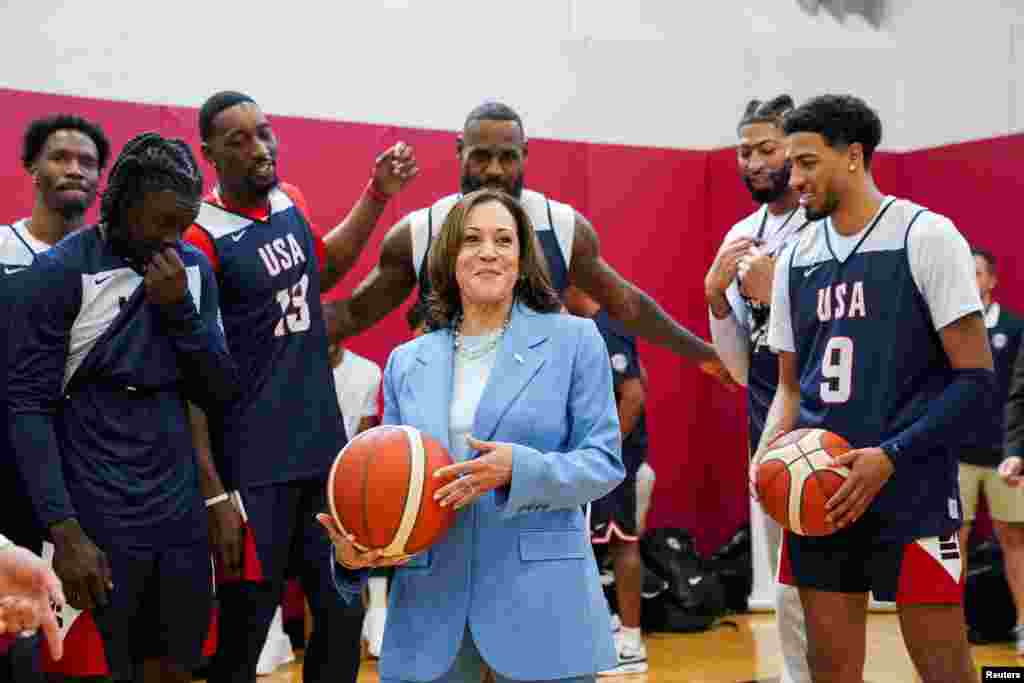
(382, 291)
(392, 170)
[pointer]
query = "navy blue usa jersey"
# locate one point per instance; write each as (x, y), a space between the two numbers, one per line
(864, 316)
(286, 425)
(97, 385)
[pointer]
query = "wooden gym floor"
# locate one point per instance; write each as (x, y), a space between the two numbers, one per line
(749, 652)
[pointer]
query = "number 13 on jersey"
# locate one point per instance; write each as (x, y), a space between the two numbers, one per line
(837, 370)
(294, 308)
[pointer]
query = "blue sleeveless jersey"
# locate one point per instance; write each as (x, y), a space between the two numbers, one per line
(287, 424)
(870, 361)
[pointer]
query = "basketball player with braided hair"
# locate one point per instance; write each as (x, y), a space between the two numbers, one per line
(118, 330)
(738, 291)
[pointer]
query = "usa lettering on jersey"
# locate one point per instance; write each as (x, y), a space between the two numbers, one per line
(841, 301)
(281, 254)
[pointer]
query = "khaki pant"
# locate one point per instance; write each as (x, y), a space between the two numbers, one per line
(1005, 504)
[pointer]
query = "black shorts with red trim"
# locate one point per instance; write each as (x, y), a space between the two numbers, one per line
(922, 571)
(614, 516)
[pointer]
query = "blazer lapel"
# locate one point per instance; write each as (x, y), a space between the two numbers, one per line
(431, 385)
(520, 357)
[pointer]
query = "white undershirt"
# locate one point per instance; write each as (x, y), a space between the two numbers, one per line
(469, 379)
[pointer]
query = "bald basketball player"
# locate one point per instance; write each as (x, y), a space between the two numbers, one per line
(492, 151)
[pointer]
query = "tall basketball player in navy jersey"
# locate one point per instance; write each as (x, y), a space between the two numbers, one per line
(738, 292)
(492, 152)
(118, 327)
(271, 451)
(64, 155)
(885, 345)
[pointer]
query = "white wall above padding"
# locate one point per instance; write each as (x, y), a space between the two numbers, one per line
(645, 72)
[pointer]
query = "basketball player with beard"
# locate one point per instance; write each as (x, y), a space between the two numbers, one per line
(64, 155)
(738, 291)
(492, 151)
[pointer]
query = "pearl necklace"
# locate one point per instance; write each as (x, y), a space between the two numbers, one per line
(485, 349)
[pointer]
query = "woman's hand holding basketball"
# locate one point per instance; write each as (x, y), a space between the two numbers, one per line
(471, 479)
(870, 468)
(352, 556)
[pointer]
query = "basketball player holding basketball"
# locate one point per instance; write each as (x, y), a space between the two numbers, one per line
(738, 291)
(883, 344)
(64, 155)
(492, 151)
(274, 447)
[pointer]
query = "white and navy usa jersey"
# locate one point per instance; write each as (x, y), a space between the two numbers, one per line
(286, 425)
(773, 233)
(97, 387)
(863, 317)
(18, 249)
(553, 222)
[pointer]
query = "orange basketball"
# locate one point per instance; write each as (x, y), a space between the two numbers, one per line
(795, 477)
(381, 490)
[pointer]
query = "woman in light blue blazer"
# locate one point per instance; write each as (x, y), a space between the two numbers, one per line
(521, 396)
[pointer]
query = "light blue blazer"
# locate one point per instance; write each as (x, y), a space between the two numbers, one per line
(517, 566)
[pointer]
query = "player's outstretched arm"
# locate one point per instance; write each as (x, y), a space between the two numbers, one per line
(392, 170)
(382, 291)
(630, 305)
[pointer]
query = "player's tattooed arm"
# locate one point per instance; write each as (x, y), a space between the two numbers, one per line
(634, 308)
(626, 302)
(392, 170)
(380, 292)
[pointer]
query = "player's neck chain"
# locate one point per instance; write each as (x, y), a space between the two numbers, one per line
(764, 222)
(486, 348)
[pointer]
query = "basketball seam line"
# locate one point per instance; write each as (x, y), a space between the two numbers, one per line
(414, 489)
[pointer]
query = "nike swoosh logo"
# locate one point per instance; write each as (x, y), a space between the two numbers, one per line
(807, 273)
(237, 237)
(101, 280)
(10, 270)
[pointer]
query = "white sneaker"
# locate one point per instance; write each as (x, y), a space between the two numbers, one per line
(373, 629)
(632, 657)
(1018, 637)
